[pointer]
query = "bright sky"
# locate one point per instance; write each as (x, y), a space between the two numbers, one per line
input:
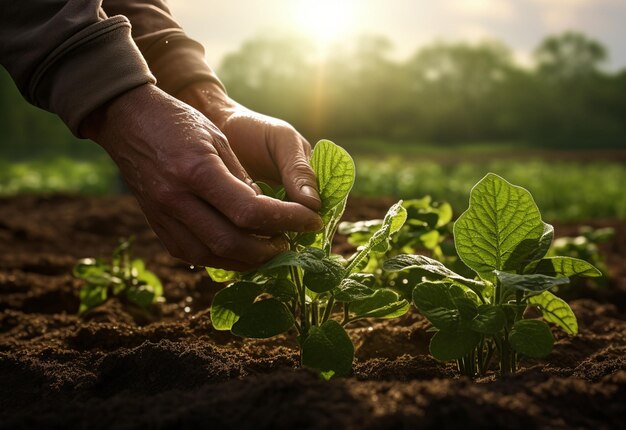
(223, 25)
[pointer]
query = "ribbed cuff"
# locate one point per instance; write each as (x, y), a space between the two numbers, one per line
(175, 60)
(92, 67)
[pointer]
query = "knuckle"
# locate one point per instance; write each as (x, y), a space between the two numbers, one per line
(245, 216)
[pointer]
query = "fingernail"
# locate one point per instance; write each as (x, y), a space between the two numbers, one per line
(309, 191)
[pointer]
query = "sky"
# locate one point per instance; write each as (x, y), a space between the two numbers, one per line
(222, 26)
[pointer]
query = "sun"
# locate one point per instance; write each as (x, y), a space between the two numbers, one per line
(325, 21)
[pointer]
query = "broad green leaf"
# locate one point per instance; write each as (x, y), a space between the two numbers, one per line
(265, 318)
(435, 302)
(91, 295)
(350, 290)
(384, 303)
(433, 267)
(335, 173)
(490, 320)
(281, 289)
(531, 338)
(563, 267)
(453, 344)
(231, 302)
(501, 228)
(309, 259)
(142, 295)
(221, 275)
(328, 349)
(556, 310)
(326, 279)
(468, 309)
(532, 283)
(543, 245)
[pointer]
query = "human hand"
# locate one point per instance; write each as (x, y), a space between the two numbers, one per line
(270, 150)
(194, 192)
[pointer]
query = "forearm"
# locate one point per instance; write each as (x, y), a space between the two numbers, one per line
(67, 56)
(176, 60)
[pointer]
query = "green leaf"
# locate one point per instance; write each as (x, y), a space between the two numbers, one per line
(501, 228)
(468, 309)
(532, 283)
(531, 338)
(94, 272)
(221, 275)
(91, 295)
(563, 267)
(275, 193)
(433, 267)
(281, 289)
(543, 245)
(326, 279)
(328, 349)
(453, 344)
(230, 303)
(435, 302)
(142, 295)
(335, 173)
(350, 290)
(381, 298)
(556, 310)
(265, 318)
(490, 320)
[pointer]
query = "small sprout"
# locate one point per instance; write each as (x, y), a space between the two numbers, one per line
(123, 277)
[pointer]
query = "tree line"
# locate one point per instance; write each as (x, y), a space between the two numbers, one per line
(445, 93)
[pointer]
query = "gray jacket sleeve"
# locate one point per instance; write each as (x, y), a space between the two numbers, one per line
(175, 59)
(68, 56)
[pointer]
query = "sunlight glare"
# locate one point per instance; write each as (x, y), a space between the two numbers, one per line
(325, 21)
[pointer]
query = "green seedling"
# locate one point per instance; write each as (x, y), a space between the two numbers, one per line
(503, 240)
(302, 288)
(123, 277)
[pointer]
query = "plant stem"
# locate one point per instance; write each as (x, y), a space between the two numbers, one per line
(346, 313)
(304, 321)
(329, 309)
(314, 313)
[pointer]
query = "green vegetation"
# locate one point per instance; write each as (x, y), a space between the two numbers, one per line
(124, 277)
(58, 175)
(567, 191)
(503, 240)
(302, 287)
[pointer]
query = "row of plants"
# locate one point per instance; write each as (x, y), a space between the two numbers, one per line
(474, 289)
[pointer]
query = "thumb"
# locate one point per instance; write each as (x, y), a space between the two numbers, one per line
(291, 154)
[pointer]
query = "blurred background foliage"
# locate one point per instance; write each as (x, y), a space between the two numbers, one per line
(433, 123)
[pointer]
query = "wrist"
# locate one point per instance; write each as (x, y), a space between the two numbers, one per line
(115, 111)
(210, 99)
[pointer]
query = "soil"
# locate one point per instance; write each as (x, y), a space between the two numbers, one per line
(116, 367)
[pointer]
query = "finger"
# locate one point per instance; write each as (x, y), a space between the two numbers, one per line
(223, 238)
(188, 248)
(291, 155)
(232, 162)
(213, 183)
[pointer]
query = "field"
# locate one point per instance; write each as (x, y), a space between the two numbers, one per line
(119, 368)
(564, 183)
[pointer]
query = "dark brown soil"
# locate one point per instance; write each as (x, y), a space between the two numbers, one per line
(119, 368)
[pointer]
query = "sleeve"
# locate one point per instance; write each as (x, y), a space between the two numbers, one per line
(68, 56)
(175, 59)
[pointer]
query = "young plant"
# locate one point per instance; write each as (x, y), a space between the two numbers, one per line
(502, 238)
(302, 287)
(123, 277)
